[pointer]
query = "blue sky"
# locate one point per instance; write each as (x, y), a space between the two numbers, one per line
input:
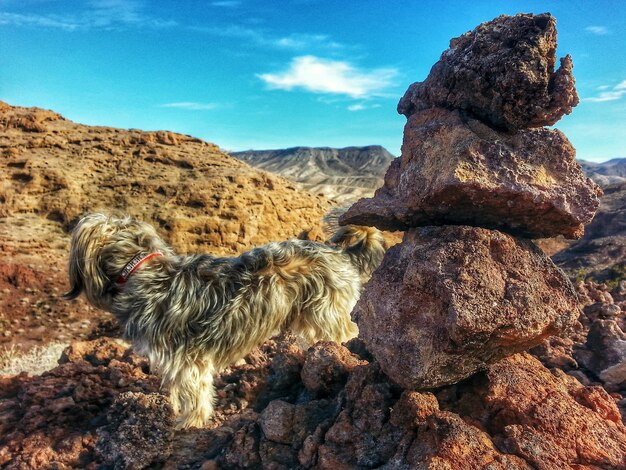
(271, 74)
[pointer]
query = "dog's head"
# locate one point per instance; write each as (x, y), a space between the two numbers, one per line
(100, 249)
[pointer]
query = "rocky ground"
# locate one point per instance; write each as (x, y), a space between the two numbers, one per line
(331, 407)
(601, 254)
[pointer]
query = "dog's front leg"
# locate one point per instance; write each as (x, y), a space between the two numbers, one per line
(192, 393)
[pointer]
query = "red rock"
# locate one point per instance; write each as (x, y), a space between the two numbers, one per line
(540, 419)
(604, 353)
(450, 300)
(97, 352)
(413, 408)
(277, 421)
(139, 431)
(51, 420)
(516, 415)
(448, 442)
(326, 367)
(455, 170)
(502, 72)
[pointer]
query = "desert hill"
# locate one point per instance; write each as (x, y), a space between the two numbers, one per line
(601, 253)
(351, 173)
(53, 170)
(345, 174)
(59, 170)
(606, 173)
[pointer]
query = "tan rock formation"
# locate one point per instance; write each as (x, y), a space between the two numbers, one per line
(200, 197)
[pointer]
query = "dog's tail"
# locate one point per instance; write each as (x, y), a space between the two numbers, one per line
(364, 245)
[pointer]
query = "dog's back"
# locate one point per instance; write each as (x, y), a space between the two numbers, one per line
(364, 245)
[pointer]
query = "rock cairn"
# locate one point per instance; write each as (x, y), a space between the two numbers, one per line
(477, 172)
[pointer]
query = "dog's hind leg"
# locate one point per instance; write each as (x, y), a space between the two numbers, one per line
(192, 393)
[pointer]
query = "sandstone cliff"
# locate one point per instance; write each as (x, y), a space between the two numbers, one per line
(202, 198)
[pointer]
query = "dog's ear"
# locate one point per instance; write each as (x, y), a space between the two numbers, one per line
(82, 254)
(74, 293)
(76, 283)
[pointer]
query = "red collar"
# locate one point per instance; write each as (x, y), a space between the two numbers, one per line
(132, 265)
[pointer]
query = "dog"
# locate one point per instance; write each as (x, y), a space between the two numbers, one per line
(194, 315)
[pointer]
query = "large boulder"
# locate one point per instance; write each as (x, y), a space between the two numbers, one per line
(503, 73)
(455, 169)
(450, 300)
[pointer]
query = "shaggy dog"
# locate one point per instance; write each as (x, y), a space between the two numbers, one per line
(195, 315)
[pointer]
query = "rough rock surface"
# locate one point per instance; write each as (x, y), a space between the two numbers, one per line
(139, 431)
(596, 352)
(203, 198)
(503, 73)
(504, 418)
(326, 367)
(455, 169)
(102, 406)
(52, 419)
(450, 300)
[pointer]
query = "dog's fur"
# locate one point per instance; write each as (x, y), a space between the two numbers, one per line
(195, 315)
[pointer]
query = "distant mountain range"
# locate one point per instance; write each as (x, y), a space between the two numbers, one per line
(345, 174)
(607, 173)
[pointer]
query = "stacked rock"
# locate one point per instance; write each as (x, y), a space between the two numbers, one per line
(477, 172)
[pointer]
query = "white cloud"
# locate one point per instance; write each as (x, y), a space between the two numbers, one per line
(97, 14)
(362, 107)
(356, 107)
(599, 30)
(319, 75)
(116, 14)
(190, 105)
(263, 38)
(50, 21)
(226, 3)
(612, 94)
